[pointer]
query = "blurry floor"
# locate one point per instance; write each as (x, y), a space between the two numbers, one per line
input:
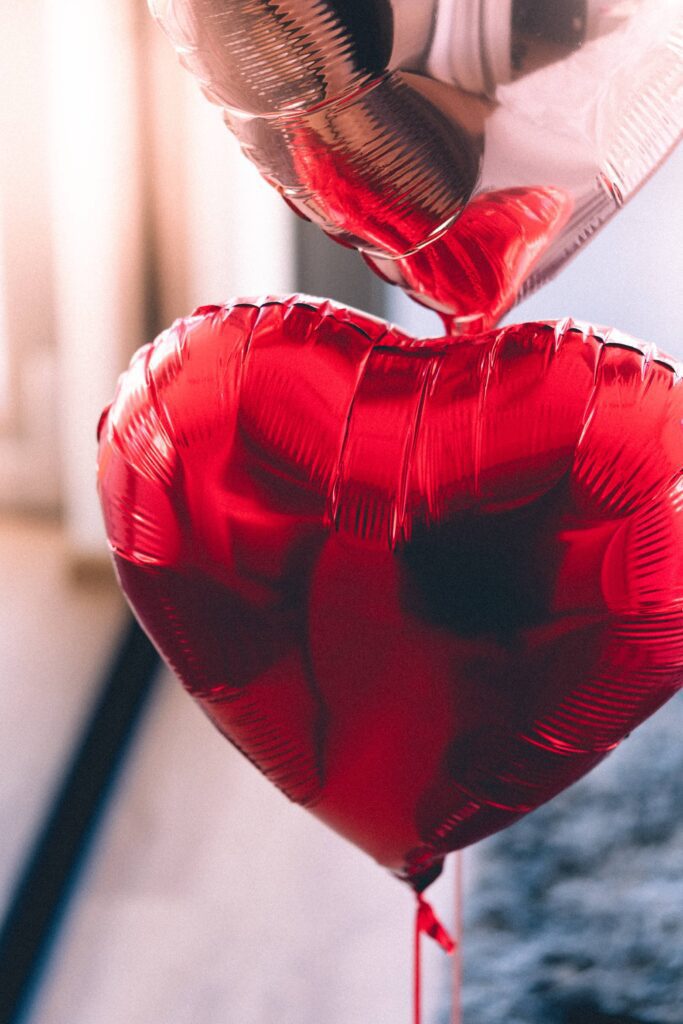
(207, 897)
(210, 899)
(55, 638)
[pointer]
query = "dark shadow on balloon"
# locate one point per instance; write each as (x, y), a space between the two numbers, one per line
(480, 575)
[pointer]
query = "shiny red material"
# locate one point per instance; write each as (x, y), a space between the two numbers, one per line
(474, 272)
(423, 586)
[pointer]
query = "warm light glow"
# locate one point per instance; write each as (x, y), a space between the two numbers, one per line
(4, 348)
(94, 177)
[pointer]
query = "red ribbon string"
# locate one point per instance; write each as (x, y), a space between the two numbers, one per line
(456, 1009)
(427, 923)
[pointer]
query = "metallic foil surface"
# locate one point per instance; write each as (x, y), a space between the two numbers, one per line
(467, 147)
(423, 586)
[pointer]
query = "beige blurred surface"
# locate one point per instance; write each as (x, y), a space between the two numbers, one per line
(55, 639)
(210, 898)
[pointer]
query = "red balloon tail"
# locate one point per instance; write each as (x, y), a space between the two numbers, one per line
(427, 923)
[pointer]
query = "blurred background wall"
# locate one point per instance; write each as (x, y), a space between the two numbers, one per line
(122, 205)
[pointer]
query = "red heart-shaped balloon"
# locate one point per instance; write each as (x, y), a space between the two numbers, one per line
(422, 585)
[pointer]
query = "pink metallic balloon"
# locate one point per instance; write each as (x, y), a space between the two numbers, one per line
(423, 586)
(410, 128)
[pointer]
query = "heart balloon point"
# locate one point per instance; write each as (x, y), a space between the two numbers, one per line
(423, 586)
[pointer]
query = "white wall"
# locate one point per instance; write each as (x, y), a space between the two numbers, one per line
(631, 275)
(28, 449)
(135, 146)
(94, 172)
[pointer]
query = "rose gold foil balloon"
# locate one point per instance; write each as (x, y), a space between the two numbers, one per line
(466, 147)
